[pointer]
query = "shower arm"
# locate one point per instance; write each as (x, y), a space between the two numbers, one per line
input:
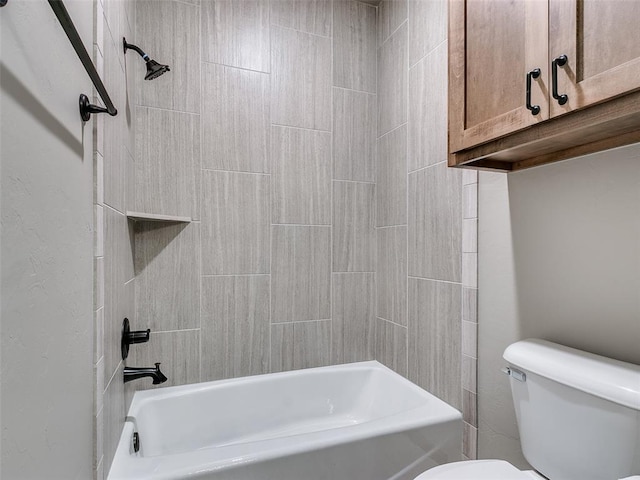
(126, 46)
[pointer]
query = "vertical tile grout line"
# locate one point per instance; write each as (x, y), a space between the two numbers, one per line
(331, 192)
(406, 170)
(270, 168)
(201, 190)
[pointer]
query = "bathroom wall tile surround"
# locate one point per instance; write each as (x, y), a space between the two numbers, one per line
(300, 176)
(236, 34)
(392, 81)
(301, 273)
(163, 185)
(235, 326)
(235, 223)
(286, 179)
(354, 135)
(297, 345)
(391, 180)
(300, 79)
(354, 234)
(167, 263)
(354, 55)
(274, 236)
(418, 194)
(235, 109)
(169, 32)
(310, 16)
(353, 317)
(114, 294)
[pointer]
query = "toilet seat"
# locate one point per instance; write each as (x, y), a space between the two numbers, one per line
(475, 470)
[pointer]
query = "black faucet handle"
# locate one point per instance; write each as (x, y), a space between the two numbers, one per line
(139, 336)
(129, 337)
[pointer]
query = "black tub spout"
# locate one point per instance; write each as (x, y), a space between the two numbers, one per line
(133, 373)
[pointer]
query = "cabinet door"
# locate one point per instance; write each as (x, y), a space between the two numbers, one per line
(493, 44)
(601, 39)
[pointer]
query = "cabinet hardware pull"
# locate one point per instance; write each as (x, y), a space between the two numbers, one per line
(535, 109)
(560, 61)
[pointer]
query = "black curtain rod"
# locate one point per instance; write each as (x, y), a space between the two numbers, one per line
(70, 29)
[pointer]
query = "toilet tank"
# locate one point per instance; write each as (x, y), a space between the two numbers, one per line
(578, 413)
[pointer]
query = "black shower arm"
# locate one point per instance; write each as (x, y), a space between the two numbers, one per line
(70, 29)
(131, 46)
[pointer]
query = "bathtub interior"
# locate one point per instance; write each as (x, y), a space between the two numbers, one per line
(241, 411)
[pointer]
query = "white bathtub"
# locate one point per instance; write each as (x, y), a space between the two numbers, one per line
(359, 421)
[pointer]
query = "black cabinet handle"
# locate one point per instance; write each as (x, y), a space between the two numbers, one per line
(560, 61)
(535, 109)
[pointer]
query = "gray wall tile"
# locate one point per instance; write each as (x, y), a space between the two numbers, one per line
(301, 273)
(469, 373)
(392, 81)
(300, 345)
(469, 408)
(235, 119)
(354, 135)
(470, 235)
(301, 176)
(113, 415)
(354, 234)
(435, 223)
(391, 14)
(428, 26)
(434, 338)
(354, 46)
(235, 326)
(310, 16)
(170, 33)
(179, 355)
(167, 276)
(428, 110)
(391, 278)
(470, 305)
(391, 345)
(353, 319)
(300, 79)
(113, 133)
(236, 33)
(470, 339)
(470, 441)
(167, 166)
(118, 287)
(391, 181)
(235, 223)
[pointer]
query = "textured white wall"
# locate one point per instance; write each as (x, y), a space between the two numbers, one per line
(46, 246)
(560, 260)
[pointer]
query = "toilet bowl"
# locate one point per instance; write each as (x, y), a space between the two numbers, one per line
(578, 416)
(479, 470)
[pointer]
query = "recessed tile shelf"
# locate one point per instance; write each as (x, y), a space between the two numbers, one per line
(153, 217)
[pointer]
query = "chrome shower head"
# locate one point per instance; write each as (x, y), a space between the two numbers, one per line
(154, 69)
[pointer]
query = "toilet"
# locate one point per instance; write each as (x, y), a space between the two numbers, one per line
(578, 417)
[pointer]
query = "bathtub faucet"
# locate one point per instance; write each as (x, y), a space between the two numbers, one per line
(132, 373)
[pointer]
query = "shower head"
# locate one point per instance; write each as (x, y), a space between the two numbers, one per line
(154, 69)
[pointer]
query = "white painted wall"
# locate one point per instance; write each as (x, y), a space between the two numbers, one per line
(559, 259)
(46, 290)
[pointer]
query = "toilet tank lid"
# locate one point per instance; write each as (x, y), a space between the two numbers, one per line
(603, 377)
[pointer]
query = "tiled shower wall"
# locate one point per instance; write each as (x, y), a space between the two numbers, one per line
(113, 192)
(426, 260)
(295, 256)
(264, 133)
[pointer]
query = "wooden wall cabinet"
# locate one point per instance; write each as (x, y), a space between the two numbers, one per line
(592, 46)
